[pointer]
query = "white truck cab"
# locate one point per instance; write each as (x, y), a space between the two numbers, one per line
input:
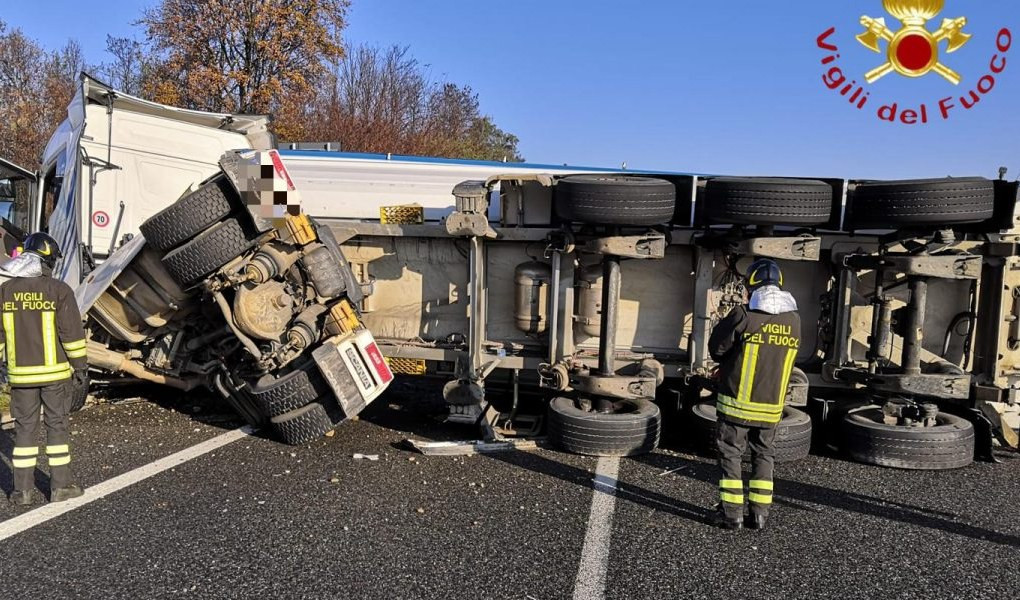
(114, 162)
(162, 213)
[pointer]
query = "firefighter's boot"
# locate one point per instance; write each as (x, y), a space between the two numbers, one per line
(721, 520)
(753, 521)
(24, 482)
(65, 493)
(21, 498)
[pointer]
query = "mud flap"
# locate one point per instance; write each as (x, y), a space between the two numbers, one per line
(984, 431)
(354, 369)
(984, 436)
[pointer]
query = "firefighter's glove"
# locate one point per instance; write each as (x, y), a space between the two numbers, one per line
(81, 377)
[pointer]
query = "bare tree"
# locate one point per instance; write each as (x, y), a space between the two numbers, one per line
(130, 68)
(37, 86)
(258, 56)
(385, 101)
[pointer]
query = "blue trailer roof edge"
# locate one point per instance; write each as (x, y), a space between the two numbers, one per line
(460, 161)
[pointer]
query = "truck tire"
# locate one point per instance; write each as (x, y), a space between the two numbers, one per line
(615, 200)
(79, 394)
(767, 201)
(949, 444)
(212, 249)
(325, 273)
(797, 391)
(934, 202)
(189, 216)
(793, 434)
(278, 395)
(305, 424)
(632, 429)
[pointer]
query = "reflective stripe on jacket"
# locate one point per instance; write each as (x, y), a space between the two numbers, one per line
(756, 351)
(41, 331)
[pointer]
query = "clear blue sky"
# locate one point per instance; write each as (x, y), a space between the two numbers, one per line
(716, 87)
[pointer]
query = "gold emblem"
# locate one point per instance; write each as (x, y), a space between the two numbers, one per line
(913, 50)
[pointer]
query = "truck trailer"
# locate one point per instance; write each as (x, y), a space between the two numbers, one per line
(596, 289)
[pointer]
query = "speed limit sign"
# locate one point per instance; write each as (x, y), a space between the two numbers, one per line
(100, 218)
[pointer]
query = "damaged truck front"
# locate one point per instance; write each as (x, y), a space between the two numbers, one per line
(219, 280)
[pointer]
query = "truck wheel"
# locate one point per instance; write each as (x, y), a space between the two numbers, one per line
(935, 202)
(305, 424)
(209, 251)
(949, 444)
(767, 201)
(633, 428)
(189, 216)
(79, 394)
(291, 391)
(615, 200)
(797, 391)
(793, 434)
(325, 272)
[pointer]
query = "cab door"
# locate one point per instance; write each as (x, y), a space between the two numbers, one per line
(17, 204)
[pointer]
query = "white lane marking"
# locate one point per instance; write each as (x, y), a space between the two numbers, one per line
(44, 513)
(591, 574)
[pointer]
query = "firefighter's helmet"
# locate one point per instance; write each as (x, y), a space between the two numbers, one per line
(43, 246)
(764, 271)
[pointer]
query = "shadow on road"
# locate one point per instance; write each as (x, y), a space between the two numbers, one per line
(795, 494)
(584, 478)
(213, 412)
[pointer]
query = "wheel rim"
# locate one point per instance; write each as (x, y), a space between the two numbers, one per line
(875, 415)
(605, 406)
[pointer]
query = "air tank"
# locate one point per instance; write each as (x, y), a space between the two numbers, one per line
(531, 296)
(589, 299)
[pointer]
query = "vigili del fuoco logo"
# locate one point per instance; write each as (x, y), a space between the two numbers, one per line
(914, 49)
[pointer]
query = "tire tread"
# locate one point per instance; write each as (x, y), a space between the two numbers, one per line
(615, 200)
(762, 201)
(189, 216)
(209, 251)
(620, 434)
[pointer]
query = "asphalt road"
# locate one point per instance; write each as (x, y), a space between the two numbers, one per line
(259, 519)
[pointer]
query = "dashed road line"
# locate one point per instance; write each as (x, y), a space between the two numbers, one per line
(591, 574)
(44, 513)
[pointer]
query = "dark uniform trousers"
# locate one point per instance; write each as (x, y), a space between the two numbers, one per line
(733, 440)
(42, 339)
(25, 405)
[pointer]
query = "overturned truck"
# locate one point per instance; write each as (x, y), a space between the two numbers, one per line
(220, 280)
(597, 289)
(234, 288)
(603, 291)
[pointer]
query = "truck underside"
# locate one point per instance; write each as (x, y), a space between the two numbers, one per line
(585, 288)
(256, 301)
(597, 290)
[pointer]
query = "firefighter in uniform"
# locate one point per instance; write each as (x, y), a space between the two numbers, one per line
(44, 343)
(756, 345)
